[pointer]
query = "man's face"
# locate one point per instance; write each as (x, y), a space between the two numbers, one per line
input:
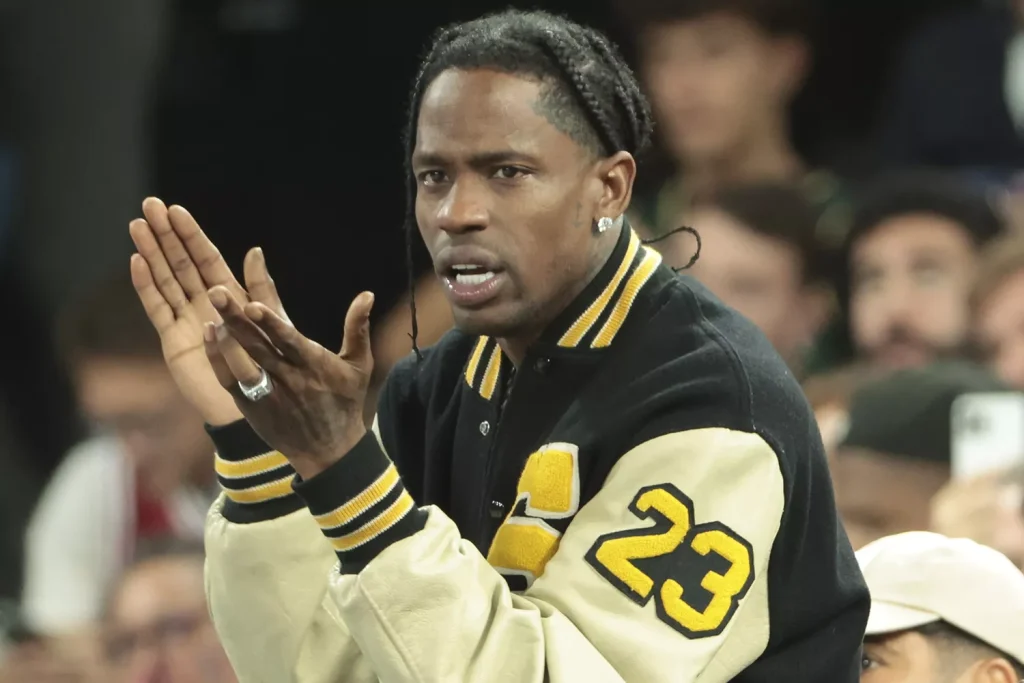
(906, 657)
(716, 82)
(758, 276)
(911, 277)
(880, 495)
(138, 402)
(159, 630)
(999, 324)
(505, 201)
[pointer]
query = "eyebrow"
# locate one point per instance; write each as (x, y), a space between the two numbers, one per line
(479, 160)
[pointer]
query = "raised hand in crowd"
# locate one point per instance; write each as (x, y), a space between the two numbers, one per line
(988, 509)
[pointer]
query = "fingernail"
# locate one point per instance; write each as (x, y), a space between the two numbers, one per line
(222, 333)
(255, 313)
(259, 252)
(209, 333)
(370, 297)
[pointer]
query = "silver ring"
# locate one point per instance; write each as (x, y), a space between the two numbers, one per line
(260, 389)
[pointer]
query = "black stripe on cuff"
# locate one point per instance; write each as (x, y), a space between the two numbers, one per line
(346, 480)
(239, 441)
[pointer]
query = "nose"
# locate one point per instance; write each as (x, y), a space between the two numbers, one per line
(464, 207)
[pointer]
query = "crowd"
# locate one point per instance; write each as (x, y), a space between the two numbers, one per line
(896, 299)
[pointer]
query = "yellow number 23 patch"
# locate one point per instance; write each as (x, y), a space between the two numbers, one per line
(697, 573)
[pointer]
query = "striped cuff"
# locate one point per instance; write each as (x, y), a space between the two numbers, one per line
(257, 480)
(361, 504)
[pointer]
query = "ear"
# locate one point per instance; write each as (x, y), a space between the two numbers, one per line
(792, 63)
(994, 671)
(614, 178)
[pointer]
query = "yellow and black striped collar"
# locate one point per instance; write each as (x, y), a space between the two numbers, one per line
(592, 321)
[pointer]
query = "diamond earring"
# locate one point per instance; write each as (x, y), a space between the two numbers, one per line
(603, 224)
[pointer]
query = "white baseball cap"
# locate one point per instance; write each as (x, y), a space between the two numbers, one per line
(918, 578)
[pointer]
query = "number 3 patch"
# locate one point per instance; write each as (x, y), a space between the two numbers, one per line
(697, 574)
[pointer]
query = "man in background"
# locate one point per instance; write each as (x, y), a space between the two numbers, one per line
(941, 610)
(759, 256)
(158, 628)
(912, 251)
(146, 472)
(997, 305)
(897, 450)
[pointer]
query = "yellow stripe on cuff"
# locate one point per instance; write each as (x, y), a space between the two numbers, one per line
(262, 493)
(378, 525)
(239, 469)
(370, 496)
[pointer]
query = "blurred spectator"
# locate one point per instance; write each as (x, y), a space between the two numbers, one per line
(721, 75)
(988, 509)
(896, 454)
(998, 307)
(148, 472)
(759, 256)
(912, 252)
(158, 628)
(941, 610)
(973, 56)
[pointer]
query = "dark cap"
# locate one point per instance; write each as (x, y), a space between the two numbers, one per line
(906, 413)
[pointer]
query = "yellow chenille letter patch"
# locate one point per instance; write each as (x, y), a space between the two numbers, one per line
(549, 490)
(697, 573)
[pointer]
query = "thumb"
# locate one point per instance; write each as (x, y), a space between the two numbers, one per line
(355, 347)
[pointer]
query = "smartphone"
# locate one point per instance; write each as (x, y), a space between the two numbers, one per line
(987, 432)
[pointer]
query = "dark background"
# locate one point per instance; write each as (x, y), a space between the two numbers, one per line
(291, 139)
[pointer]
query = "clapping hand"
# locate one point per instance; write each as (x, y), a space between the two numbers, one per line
(234, 352)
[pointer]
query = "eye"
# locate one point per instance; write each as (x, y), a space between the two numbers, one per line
(431, 177)
(510, 172)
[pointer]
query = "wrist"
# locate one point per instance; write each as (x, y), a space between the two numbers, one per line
(222, 413)
(308, 466)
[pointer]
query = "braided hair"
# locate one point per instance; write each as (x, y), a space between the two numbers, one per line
(589, 93)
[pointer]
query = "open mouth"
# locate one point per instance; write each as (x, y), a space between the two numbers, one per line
(470, 275)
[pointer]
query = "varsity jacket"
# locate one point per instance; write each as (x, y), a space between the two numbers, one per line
(644, 498)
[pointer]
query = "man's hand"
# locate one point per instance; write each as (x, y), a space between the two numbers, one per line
(314, 412)
(988, 509)
(175, 266)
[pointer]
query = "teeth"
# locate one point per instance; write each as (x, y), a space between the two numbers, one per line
(473, 279)
(462, 266)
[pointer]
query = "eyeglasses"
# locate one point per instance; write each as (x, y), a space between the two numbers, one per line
(167, 631)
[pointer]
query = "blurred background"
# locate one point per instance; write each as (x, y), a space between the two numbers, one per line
(853, 168)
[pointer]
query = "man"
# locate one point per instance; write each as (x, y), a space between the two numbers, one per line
(896, 452)
(157, 627)
(587, 393)
(722, 76)
(942, 610)
(146, 471)
(760, 257)
(997, 304)
(912, 252)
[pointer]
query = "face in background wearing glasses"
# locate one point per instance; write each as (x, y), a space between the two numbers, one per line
(158, 629)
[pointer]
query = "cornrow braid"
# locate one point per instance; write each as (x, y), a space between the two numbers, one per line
(590, 92)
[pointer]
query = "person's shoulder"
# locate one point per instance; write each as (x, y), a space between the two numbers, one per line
(711, 367)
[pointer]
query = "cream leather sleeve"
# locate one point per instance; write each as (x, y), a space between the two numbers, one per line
(661, 577)
(267, 587)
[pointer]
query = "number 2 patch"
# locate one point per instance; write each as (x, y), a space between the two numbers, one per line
(697, 573)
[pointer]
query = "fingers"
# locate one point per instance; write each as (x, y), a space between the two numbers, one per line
(259, 284)
(161, 274)
(178, 258)
(282, 334)
(207, 258)
(241, 342)
(220, 366)
(355, 347)
(159, 311)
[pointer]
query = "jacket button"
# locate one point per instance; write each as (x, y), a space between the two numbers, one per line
(497, 510)
(485, 427)
(541, 365)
